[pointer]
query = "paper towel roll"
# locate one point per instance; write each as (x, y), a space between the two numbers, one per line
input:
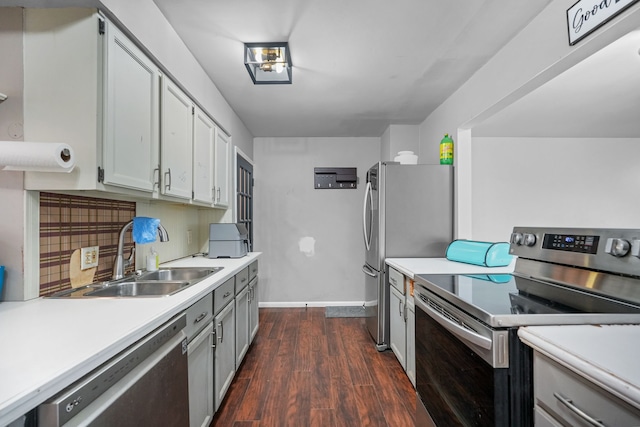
(36, 156)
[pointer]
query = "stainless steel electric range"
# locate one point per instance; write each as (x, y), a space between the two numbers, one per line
(471, 368)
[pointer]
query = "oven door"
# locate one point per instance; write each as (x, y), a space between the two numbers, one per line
(457, 380)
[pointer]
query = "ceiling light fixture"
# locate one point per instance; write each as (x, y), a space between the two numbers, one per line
(268, 63)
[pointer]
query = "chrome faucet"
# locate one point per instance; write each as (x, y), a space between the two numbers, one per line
(120, 263)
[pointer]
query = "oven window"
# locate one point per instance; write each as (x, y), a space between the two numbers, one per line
(457, 386)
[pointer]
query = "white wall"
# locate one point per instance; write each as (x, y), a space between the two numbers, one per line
(11, 183)
(400, 138)
(563, 182)
(311, 239)
(536, 55)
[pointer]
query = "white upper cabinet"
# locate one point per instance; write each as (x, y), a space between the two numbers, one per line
(222, 159)
(130, 146)
(176, 144)
(62, 91)
(133, 131)
(203, 140)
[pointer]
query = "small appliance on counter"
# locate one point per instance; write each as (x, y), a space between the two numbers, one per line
(228, 240)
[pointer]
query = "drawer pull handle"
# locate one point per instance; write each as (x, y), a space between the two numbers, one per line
(579, 412)
(199, 318)
(226, 294)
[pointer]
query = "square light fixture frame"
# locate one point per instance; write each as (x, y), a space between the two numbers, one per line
(255, 66)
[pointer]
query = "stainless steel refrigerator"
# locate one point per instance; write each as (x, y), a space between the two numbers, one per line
(407, 213)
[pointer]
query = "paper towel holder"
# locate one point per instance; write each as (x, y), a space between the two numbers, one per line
(65, 155)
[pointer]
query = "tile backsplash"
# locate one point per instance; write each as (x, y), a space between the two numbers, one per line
(68, 223)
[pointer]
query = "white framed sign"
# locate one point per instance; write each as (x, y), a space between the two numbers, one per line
(585, 16)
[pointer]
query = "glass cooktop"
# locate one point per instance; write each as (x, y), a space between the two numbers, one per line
(507, 300)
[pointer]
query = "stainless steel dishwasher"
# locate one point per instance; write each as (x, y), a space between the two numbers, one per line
(147, 384)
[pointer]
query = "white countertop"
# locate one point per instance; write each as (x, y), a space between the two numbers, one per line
(606, 355)
(411, 267)
(49, 343)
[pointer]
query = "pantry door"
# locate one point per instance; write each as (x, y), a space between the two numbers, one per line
(244, 194)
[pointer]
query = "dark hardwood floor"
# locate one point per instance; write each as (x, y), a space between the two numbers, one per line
(307, 370)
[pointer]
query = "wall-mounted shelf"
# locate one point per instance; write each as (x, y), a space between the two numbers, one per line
(335, 178)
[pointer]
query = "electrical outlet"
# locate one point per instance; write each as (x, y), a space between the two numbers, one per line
(89, 257)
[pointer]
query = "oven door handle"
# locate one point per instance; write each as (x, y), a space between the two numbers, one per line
(454, 328)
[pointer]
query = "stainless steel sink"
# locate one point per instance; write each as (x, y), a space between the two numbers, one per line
(183, 273)
(140, 288)
(160, 283)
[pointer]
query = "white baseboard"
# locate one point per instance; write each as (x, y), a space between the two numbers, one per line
(286, 304)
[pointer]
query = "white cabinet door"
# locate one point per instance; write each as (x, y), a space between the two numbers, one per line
(397, 329)
(176, 141)
(225, 361)
(242, 325)
(200, 354)
(203, 142)
(253, 309)
(221, 175)
(411, 340)
(131, 106)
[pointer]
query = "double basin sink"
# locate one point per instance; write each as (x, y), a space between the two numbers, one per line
(159, 283)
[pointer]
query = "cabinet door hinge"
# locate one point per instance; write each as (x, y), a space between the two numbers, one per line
(101, 26)
(193, 110)
(100, 174)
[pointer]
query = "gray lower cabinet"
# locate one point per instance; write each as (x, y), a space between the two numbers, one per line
(253, 308)
(398, 328)
(200, 356)
(242, 325)
(235, 325)
(225, 351)
(564, 398)
(199, 330)
(402, 322)
(411, 340)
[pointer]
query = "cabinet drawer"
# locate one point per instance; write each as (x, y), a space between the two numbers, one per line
(253, 270)
(396, 279)
(242, 280)
(554, 382)
(223, 294)
(198, 315)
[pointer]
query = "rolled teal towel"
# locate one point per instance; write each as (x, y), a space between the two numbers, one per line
(145, 229)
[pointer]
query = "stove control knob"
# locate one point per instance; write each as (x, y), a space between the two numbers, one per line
(617, 247)
(516, 238)
(529, 239)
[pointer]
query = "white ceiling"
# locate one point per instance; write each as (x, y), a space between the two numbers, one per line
(358, 65)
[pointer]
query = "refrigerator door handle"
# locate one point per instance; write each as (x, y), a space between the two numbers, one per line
(367, 270)
(367, 236)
